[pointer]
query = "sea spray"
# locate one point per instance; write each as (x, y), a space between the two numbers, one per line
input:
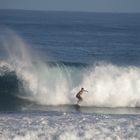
(113, 86)
(42, 84)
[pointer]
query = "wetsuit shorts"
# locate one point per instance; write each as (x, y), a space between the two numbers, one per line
(79, 97)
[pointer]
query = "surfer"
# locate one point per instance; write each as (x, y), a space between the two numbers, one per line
(78, 95)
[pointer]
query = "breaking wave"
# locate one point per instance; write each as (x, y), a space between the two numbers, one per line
(30, 78)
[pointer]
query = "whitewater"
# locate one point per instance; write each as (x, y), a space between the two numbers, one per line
(69, 126)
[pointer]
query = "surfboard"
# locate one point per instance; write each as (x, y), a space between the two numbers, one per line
(78, 105)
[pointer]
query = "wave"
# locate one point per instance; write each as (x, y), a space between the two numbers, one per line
(108, 85)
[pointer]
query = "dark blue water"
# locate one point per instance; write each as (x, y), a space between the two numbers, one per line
(78, 37)
(75, 39)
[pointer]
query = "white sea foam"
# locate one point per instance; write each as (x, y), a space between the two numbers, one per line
(59, 126)
(108, 85)
(113, 86)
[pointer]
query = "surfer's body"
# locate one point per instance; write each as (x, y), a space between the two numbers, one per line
(79, 95)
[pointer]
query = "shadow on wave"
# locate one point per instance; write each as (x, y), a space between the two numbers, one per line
(9, 91)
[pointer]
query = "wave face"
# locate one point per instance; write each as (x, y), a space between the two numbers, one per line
(28, 77)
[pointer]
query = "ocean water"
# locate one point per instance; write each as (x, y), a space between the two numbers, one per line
(47, 56)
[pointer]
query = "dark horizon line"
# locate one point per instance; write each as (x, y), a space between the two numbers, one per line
(74, 11)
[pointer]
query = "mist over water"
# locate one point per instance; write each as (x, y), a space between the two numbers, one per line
(108, 85)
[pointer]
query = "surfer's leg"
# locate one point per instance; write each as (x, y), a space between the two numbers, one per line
(80, 99)
(77, 96)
